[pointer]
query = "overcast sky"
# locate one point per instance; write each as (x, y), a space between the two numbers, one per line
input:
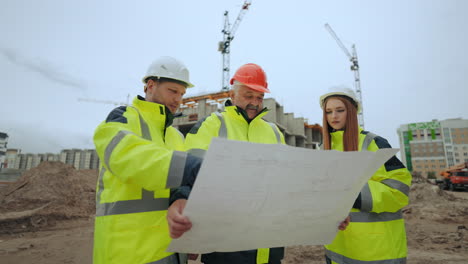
(413, 57)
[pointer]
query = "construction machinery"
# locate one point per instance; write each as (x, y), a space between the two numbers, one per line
(455, 177)
(354, 67)
(225, 46)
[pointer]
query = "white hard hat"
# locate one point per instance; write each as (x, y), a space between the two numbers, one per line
(168, 67)
(343, 91)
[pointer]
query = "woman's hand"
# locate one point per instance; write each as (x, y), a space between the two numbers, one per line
(344, 224)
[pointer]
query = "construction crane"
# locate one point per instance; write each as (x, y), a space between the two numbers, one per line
(354, 67)
(225, 46)
(91, 100)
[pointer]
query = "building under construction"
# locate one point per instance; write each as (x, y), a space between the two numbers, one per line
(297, 132)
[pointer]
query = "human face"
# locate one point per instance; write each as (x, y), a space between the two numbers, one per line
(165, 93)
(336, 113)
(249, 100)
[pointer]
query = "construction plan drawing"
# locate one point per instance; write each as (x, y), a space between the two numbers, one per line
(250, 196)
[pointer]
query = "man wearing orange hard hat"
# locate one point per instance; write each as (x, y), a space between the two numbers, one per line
(242, 120)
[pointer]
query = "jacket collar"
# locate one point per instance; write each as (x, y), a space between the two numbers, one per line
(337, 136)
(155, 109)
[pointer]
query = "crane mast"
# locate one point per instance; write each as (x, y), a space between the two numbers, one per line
(225, 46)
(354, 67)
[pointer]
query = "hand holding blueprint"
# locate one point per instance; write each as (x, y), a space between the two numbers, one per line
(250, 196)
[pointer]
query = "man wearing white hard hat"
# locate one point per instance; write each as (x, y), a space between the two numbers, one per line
(141, 158)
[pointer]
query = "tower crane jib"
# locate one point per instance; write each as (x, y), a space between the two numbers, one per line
(354, 67)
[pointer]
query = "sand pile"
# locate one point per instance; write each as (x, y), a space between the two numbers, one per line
(429, 202)
(436, 220)
(49, 192)
(304, 255)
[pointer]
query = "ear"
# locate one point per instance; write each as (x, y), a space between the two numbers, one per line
(150, 86)
(232, 94)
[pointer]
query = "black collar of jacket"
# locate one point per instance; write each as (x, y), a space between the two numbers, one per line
(242, 112)
(169, 116)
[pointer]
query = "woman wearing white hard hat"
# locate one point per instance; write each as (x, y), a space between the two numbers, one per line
(376, 232)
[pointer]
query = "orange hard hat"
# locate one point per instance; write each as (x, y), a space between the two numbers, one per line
(252, 76)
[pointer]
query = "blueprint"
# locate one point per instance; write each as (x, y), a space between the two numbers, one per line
(250, 196)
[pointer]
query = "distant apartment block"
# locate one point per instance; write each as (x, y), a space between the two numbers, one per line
(78, 158)
(10, 161)
(432, 146)
(3, 148)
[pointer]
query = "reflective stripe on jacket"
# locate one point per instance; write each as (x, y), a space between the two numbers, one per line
(141, 157)
(231, 124)
(376, 233)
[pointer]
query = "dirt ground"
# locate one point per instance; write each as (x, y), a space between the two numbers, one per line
(47, 217)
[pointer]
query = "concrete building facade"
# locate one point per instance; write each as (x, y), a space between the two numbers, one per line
(28, 161)
(3, 148)
(80, 158)
(11, 158)
(429, 147)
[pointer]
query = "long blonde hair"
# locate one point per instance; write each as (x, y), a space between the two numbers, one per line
(351, 129)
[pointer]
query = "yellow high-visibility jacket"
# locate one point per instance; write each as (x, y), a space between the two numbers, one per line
(141, 158)
(231, 124)
(377, 230)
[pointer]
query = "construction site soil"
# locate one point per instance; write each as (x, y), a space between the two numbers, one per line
(47, 216)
